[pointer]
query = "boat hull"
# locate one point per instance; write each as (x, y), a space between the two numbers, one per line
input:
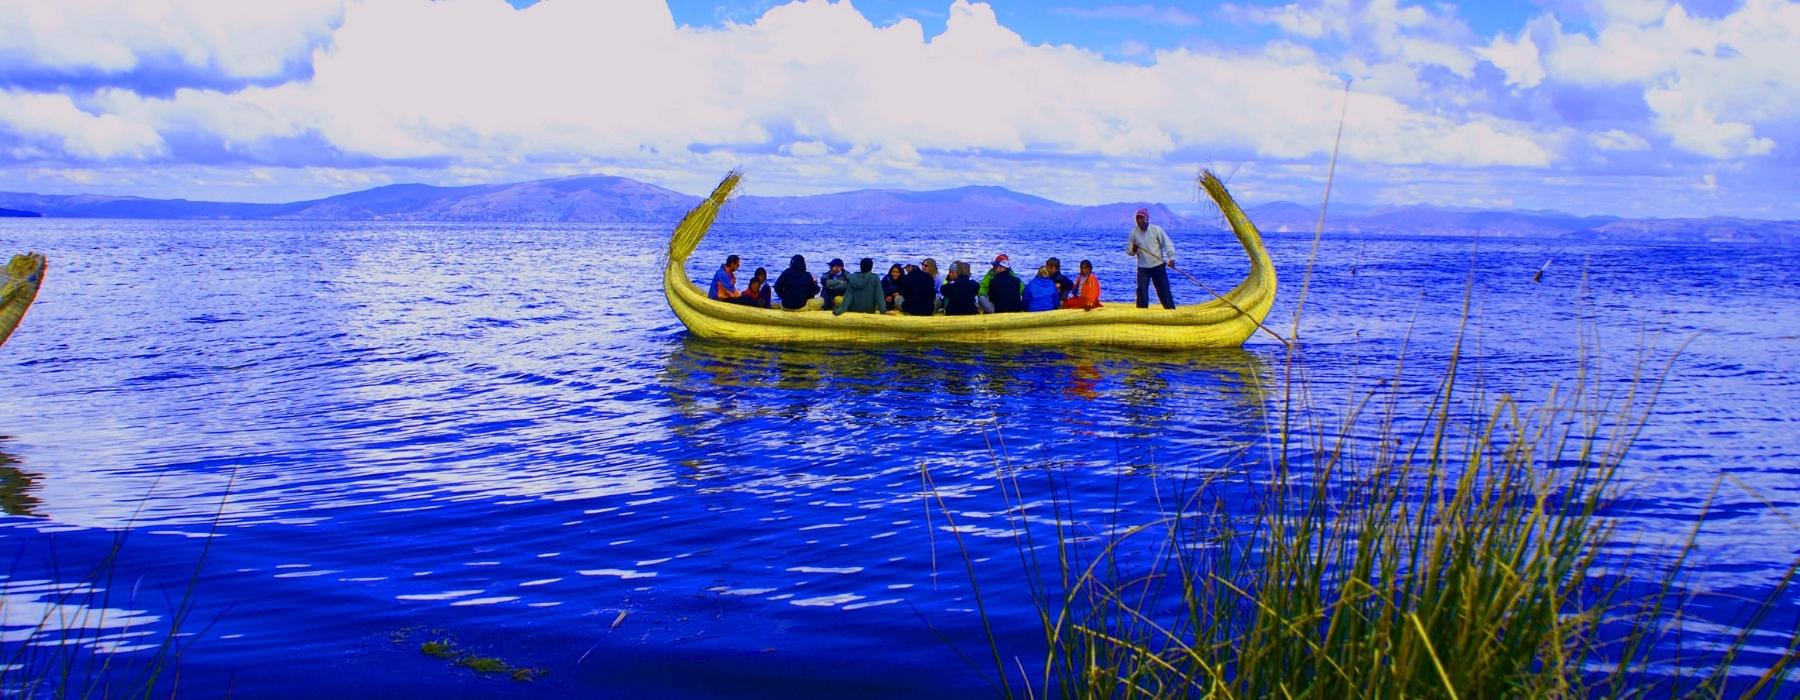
(1211, 325)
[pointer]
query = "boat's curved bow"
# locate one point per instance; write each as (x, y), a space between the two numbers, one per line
(1226, 321)
(24, 274)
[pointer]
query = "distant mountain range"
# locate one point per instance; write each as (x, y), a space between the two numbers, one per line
(1279, 217)
(607, 199)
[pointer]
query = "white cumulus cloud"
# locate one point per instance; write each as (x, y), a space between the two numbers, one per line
(179, 41)
(1518, 58)
(1382, 30)
(1618, 140)
(53, 121)
(1721, 88)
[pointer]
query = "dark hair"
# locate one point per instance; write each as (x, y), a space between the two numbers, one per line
(798, 263)
(1054, 261)
(762, 273)
(1087, 264)
(867, 264)
(896, 268)
(729, 259)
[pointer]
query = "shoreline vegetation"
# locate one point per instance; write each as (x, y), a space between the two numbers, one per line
(82, 635)
(1456, 549)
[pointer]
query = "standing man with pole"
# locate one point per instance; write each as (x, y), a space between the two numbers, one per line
(1155, 255)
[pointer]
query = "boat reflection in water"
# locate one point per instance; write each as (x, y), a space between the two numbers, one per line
(915, 402)
(17, 487)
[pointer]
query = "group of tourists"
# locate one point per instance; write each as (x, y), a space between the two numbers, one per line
(916, 290)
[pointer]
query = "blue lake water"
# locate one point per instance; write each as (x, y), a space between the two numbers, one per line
(336, 441)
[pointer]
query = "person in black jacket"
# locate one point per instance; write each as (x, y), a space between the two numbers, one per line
(918, 292)
(1064, 285)
(960, 289)
(1004, 291)
(796, 285)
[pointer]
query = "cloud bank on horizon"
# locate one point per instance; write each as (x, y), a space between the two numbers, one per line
(1633, 107)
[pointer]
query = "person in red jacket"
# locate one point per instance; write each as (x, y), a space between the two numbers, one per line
(757, 292)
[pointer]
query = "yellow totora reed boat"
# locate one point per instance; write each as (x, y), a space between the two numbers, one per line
(1219, 322)
(23, 275)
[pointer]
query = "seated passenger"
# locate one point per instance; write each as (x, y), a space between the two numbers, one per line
(724, 282)
(1087, 290)
(1004, 288)
(757, 292)
(862, 292)
(918, 292)
(833, 281)
(1040, 293)
(796, 285)
(960, 290)
(890, 286)
(981, 298)
(930, 267)
(1064, 286)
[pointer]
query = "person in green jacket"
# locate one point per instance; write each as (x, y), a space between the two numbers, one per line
(863, 292)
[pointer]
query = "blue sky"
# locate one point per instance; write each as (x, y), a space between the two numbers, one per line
(1629, 107)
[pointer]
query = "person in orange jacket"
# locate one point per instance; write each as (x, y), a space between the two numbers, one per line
(1087, 290)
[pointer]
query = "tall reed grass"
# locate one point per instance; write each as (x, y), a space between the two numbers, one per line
(80, 636)
(1388, 549)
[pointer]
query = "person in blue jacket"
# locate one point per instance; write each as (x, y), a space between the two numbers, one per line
(724, 282)
(1040, 292)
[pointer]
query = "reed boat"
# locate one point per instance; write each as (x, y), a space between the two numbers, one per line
(1226, 320)
(23, 276)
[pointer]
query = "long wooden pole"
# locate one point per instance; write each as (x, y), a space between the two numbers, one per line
(1216, 295)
